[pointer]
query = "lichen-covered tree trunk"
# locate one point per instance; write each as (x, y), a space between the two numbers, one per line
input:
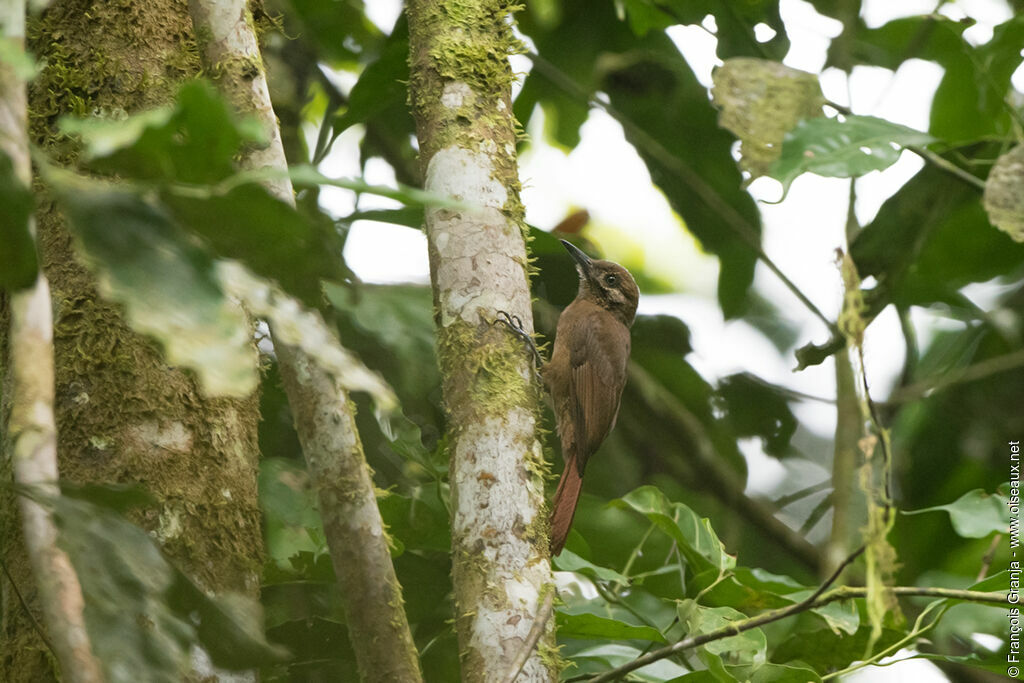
(124, 415)
(460, 96)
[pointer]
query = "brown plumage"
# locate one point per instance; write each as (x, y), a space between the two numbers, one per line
(587, 373)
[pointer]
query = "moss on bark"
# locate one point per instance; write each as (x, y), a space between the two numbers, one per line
(122, 414)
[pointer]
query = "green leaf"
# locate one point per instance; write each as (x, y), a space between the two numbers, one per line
(843, 148)
(569, 561)
(743, 649)
(756, 408)
(270, 237)
(826, 650)
(975, 514)
(591, 626)
(931, 238)
(693, 534)
(419, 522)
(18, 265)
(126, 581)
(600, 658)
(286, 493)
(168, 285)
(193, 142)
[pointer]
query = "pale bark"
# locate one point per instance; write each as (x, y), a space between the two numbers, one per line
(324, 416)
(460, 93)
(31, 428)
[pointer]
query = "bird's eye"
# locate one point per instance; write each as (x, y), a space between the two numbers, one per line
(611, 280)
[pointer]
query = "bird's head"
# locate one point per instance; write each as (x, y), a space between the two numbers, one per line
(607, 284)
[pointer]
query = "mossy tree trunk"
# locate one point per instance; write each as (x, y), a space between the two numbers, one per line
(124, 415)
(460, 95)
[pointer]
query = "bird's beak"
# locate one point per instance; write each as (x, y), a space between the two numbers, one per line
(582, 260)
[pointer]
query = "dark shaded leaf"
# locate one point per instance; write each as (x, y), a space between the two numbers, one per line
(267, 235)
(18, 264)
(756, 408)
(142, 614)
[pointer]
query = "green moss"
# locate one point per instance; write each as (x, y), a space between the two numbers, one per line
(485, 364)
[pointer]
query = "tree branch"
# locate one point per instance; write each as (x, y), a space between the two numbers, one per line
(980, 370)
(818, 599)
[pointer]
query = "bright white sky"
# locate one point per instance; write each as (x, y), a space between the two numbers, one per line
(631, 220)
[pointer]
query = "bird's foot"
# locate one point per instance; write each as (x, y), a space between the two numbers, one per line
(515, 325)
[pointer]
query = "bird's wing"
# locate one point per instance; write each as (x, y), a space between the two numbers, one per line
(597, 359)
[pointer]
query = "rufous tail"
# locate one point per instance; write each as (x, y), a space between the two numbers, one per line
(563, 506)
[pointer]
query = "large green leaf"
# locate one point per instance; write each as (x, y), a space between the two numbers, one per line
(267, 235)
(167, 284)
(126, 581)
(975, 514)
(18, 265)
(733, 21)
(843, 148)
(746, 649)
(591, 626)
(599, 658)
(694, 535)
(971, 100)
(195, 141)
(931, 238)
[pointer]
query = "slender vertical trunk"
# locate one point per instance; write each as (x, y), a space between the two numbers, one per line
(848, 508)
(324, 416)
(31, 432)
(122, 414)
(460, 95)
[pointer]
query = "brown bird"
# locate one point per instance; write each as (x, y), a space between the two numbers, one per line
(587, 373)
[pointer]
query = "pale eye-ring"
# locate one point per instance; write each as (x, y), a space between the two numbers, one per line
(611, 280)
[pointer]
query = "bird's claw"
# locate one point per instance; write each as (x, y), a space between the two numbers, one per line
(515, 324)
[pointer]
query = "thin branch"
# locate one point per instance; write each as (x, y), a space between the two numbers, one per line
(791, 498)
(739, 225)
(836, 595)
(36, 626)
(732, 629)
(948, 166)
(536, 631)
(990, 554)
(990, 366)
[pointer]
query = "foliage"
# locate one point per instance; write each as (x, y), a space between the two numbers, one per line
(668, 542)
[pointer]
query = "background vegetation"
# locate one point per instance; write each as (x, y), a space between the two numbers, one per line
(667, 544)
